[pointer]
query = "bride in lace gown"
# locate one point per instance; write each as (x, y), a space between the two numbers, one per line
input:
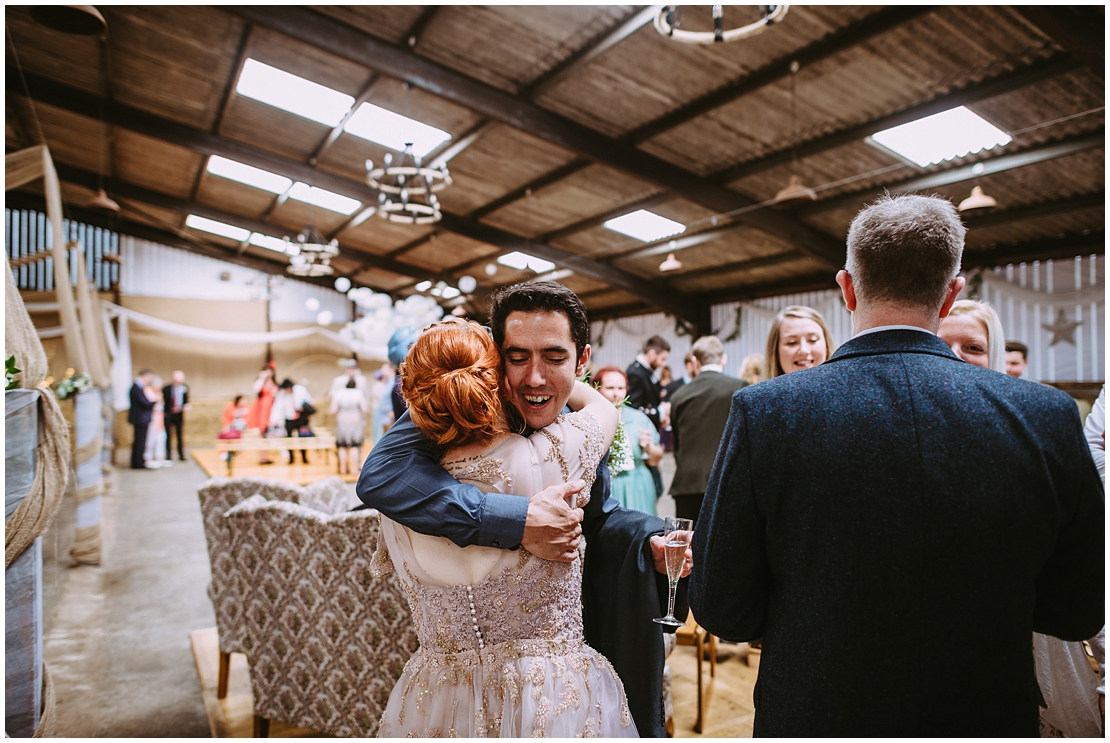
(501, 646)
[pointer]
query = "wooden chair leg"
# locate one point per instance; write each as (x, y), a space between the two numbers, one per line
(261, 727)
(712, 655)
(225, 671)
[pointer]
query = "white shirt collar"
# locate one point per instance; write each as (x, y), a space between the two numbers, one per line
(713, 367)
(893, 327)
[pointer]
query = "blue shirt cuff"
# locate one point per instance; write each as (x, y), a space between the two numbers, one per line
(502, 523)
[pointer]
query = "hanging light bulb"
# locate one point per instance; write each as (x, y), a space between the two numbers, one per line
(977, 200)
(491, 269)
(467, 284)
(671, 264)
(342, 284)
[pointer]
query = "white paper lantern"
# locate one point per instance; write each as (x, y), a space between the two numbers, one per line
(324, 318)
(467, 284)
(342, 284)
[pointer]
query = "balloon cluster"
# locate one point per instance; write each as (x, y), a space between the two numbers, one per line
(369, 335)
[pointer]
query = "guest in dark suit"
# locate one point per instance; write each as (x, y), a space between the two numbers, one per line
(643, 387)
(139, 417)
(896, 523)
(691, 372)
(175, 398)
(698, 414)
(644, 390)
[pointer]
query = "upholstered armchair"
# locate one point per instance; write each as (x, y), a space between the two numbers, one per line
(326, 640)
(217, 496)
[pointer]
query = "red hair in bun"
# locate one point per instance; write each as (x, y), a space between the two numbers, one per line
(451, 380)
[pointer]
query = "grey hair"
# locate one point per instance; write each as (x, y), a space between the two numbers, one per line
(708, 350)
(905, 250)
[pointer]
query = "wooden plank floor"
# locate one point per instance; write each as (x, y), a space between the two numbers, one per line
(247, 465)
(232, 716)
(730, 713)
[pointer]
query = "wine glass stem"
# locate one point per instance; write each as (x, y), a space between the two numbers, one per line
(670, 600)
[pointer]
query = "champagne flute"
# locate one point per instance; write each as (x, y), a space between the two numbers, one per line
(676, 538)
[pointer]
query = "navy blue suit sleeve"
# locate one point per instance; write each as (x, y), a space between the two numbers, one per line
(402, 479)
(731, 580)
(1071, 585)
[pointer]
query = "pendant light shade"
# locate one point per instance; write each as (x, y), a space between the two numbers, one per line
(102, 203)
(671, 264)
(795, 191)
(977, 200)
(82, 20)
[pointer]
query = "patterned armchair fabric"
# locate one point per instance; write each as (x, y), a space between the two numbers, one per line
(220, 494)
(326, 640)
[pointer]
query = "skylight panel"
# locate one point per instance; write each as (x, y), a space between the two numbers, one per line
(325, 199)
(294, 94)
(216, 228)
(521, 261)
(394, 130)
(944, 136)
(251, 176)
(644, 225)
(270, 243)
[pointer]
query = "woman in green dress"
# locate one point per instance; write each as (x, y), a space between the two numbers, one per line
(633, 486)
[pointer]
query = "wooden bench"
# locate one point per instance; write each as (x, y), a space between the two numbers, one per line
(321, 440)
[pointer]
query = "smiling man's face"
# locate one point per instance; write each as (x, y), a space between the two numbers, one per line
(540, 364)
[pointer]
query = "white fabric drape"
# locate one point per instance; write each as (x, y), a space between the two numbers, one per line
(217, 336)
(121, 367)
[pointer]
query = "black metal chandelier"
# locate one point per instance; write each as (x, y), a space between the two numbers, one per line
(407, 188)
(669, 19)
(311, 254)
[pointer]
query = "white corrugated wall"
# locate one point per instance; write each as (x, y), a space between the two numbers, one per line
(152, 270)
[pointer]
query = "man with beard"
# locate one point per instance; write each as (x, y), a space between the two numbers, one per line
(543, 333)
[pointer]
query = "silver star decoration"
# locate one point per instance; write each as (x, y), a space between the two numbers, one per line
(1062, 330)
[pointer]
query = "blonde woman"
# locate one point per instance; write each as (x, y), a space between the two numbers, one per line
(799, 339)
(973, 331)
(1069, 686)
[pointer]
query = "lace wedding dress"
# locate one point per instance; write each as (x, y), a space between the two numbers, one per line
(504, 656)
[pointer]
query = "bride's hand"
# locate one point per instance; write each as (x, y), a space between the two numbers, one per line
(553, 529)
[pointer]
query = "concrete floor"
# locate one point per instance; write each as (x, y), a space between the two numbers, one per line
(117, 635)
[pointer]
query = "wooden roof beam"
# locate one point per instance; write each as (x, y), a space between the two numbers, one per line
(89, 105)
(599, 219)
(874, 25)
(412, 38)
(999, 164)
(1034, 211)
(1004, 83)
(356, 46)
(747, 264)
(70, 174)
(590, 51)
(1080, 30)
(1050, 248)
(333, 135)
(605, 40)
(23, 200)
(548, 178)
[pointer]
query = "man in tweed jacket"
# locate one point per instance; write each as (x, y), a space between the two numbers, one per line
(896, 523)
